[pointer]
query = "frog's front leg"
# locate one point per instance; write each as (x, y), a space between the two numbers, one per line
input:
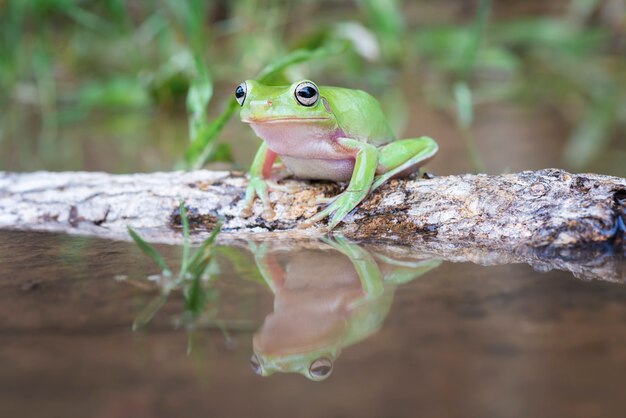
(366, 161)
(257, 186)
(267, 264)
(402, 156)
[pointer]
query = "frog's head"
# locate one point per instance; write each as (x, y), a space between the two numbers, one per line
(298, 342)
(300, 102)
(314, 366)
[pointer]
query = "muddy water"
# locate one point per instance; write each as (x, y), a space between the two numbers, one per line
(436, 340)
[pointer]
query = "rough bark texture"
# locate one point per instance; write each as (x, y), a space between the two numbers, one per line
(547, 207)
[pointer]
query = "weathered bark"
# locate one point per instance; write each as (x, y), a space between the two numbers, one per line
(547, 207)
(548, 218)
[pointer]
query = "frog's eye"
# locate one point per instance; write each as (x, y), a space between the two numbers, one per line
(321, 368)
(306, 93)
(240, 93)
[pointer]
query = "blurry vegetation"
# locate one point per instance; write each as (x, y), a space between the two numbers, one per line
(76, 63)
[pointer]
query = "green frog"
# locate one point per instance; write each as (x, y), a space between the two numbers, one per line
(325, 133)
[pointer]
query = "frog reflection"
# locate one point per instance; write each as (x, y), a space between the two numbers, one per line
(324, 301)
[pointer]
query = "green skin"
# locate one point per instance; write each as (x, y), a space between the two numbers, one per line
(316, 317)
(342, 136)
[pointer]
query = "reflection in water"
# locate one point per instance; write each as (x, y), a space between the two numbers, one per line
(324, 300)
(497, 341)
(329, 295)
(600, 261)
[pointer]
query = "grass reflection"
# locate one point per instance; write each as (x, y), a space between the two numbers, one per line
(194, 278)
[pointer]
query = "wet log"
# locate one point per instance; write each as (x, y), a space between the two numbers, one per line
(530, 209)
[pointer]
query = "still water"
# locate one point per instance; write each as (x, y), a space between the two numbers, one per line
(328, 329)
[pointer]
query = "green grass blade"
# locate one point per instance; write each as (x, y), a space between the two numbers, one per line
(201, 149)
(201, 266)
(190, 15)
(195, 295)
(89, 20)
(476, 35)
(185, 223)
(148, 312)
(149, 250)
(297, 57)
(196, 260)
(194, 299)
(198, 98)
(464, 105)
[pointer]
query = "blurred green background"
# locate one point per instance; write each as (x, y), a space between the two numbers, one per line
(141, 85)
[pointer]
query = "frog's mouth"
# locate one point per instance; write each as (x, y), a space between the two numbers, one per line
(299, 137)
(284, 120)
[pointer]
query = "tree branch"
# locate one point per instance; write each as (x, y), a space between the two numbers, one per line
(537, 208)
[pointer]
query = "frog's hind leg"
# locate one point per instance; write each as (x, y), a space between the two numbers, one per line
(403, 155)
(364, 264)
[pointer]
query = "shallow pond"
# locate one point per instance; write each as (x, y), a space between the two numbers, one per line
(390, 337)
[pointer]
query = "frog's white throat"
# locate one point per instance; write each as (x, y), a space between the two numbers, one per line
(303, 138)
(308, 150)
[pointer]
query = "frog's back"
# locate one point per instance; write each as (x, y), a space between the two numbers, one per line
(358, 114)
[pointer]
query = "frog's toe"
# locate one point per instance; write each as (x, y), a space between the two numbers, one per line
(337, 210)
(316, 218)
(246, 212)
(248, 207)
(322, 200)
(268, 213)
(338, 216)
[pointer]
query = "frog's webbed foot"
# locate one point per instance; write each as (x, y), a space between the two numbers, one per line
(358, 188)
(258, 187)
(337, 209)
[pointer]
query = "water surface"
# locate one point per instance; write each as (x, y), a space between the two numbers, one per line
(458, 340)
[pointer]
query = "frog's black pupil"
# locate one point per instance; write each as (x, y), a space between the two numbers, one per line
(321, 371)
(307, 92)
(239, 92)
